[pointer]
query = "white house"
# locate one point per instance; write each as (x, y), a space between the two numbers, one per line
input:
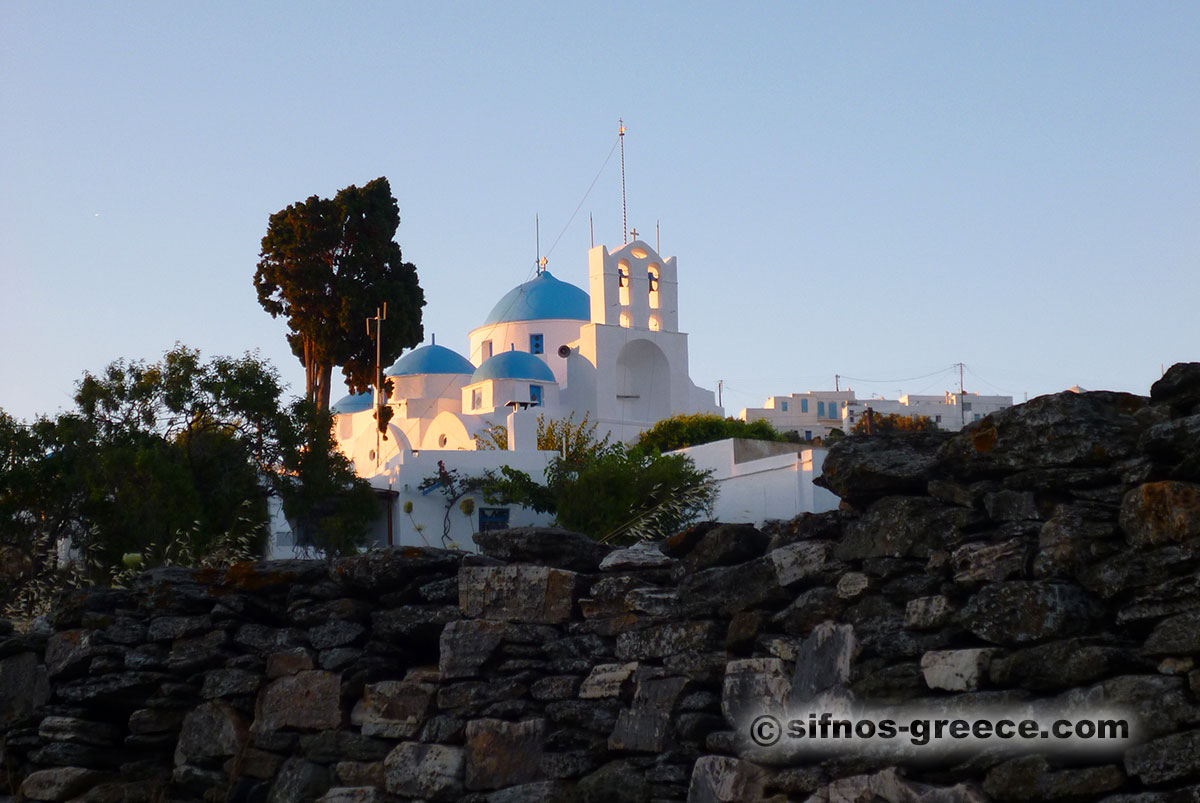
(815, 413)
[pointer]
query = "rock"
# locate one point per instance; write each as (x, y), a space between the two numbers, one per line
(1009, 505)
(335, 633)
(1179, 388)
(1137, 568)
(647, 724)
(1030, 778)
(927, 613)
(59, 783)
(643, 555)
(659, 641)
(1019, 612)
(536, 792)
(809, 610)
(69, 652)
(852, 585)
(720, 779)
(500, 754)
(210, 730)
(1055, 666)
(904, 526)
(753, 686)
(823, 661)
(394, 709)
(555, 687)
(1161, 513)
(344, 609)
(1075, 430)
(606, 680)
(289, 662)
(1175, 635)
(467, 645)
(306, 700)
(729, 589)
(381, 570)
(324, 747)
(353, 794)
(983, 562)
(615, 782)
(359, 773)
(1171, 758)
(118, 688)
(720, 545)
(801, 560)
(1070, 541)
(1176, 443)
(543, 546)
(432, 771)
(197, 653)
(229, 682)
(861, 470)
(169, 628)
(79, 731)
(298, 780)
(24, 686)
(956, 670)
(1162, 702)
(1177, 595)
(517, 593)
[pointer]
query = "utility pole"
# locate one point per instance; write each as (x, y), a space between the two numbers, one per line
(720, 387)
(962, 410)
(380, 401)
(836, 379)
(624, 218)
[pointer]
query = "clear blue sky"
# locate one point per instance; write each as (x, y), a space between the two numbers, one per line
(872, 190)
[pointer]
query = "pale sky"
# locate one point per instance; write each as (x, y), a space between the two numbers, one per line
(872, 190)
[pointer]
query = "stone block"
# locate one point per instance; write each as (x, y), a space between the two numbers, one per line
(982, 562)
(431, 771)
(752, 686)
(721, 779)
(210, 730)
(394, 709)
(59, 783)
(1161, 513)
(823, 661)
(307, 700)
(956, 670)
(606, 680)
(1019, 612)
(927, 613)
(517, 593)
(500, 753)
(799, 561)
(1169, 759)
(671, 638)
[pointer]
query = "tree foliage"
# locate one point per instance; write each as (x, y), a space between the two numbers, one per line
(171, 461)
(680, 431)
(611, 492)
(894, 422)
(327, 265)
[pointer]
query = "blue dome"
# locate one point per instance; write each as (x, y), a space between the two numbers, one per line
(543, 298)
(433, 359)
(513, 365)
(352, 404)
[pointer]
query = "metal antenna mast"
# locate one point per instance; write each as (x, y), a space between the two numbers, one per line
(624, 219)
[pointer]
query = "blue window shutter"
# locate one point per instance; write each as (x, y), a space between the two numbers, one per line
(804, 405)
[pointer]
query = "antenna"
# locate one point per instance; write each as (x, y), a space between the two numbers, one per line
(624, 219)
(537, 229)
(657, 237)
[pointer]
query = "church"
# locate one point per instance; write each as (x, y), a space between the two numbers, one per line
(548, 348)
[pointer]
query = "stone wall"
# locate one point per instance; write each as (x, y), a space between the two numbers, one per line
(1049, 552)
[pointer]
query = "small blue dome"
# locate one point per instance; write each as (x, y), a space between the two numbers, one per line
(355, 403)
(542, 298)
(513, 365)
(433, 359)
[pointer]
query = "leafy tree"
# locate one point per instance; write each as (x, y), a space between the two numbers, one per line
(680, 431)
(894, 422)
(574, 442)
(327, 264)
(169, 462)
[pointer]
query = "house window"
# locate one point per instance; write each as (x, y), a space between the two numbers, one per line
(485, 350)
(493, 518)
(976, 417)
(535, 344)
(535, 395)
(783, 407)
(937, 419)
(820, 409)
(476, 398)
(808, 434)
(804, 405)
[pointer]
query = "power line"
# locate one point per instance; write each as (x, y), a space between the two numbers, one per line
(945, 370)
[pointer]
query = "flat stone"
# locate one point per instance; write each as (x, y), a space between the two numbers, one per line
(752, 686)
(643, 555)
(307, 700)
(298, 780)
(904, 526)
(335, 633)
(800, 561)
(671, 638)
(823, 661)
(852, 585)
(1019, 612)
(517, 593)
(500, 754)
(543, 546)
(229, 682)
(354, 794)
(861, 470)
(927, 613)
(1161, 513)
(431, 771)
(1179, 634)
(289, 662)
(80, 731)
(210, 730)
(606, 680)
(721, 779)
(1171, 758)
(59, 783)
(68, 652)
(983, 562)
(956, 670)
(394, 709)
(616, 782)
(1057, 665)
(646, 725)
(1179, 387)
(24, 685)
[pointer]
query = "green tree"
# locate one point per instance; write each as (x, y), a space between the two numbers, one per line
(680, 431)
(573, 442)
(894, 422)
(327, 265)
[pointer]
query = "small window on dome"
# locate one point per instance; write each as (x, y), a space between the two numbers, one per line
(535, 344)
(476, 398)
(535, 395)
(485, 350)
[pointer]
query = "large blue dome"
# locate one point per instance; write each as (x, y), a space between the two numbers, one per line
(432, 359)
(542, 298)
(513, 365)
(352, 404)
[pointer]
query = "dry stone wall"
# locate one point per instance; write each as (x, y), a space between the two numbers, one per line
(1048, 553)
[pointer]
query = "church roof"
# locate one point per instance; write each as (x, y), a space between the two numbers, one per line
(541, 298)
(432, 359)
(354, 403)
(513, 365)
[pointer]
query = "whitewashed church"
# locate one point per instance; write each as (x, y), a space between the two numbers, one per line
(614, 353)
